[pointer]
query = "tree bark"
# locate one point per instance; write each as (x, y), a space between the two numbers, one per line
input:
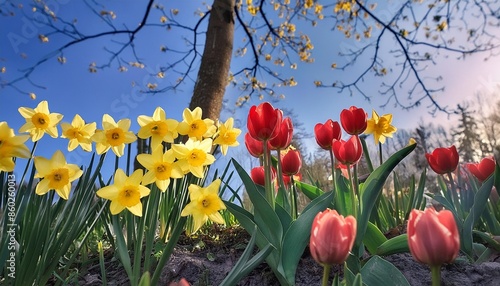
(214, 69)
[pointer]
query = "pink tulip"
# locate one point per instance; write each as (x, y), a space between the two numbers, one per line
(433, 236)
(332, 237)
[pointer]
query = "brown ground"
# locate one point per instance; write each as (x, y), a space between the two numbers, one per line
(206, 260)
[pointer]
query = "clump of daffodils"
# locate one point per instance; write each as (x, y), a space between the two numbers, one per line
(177, 148)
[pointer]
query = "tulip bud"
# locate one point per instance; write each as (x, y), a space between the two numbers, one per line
(332, 237)
(325, 133)
(291, 162)
(433, 236)
(348, 152)
(258, 175)
(284, 136)
(354, 120)
(483, 169)
(254, 147)
(263, 121)
(443, 160)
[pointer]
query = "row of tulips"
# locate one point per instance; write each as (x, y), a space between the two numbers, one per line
(433, 237)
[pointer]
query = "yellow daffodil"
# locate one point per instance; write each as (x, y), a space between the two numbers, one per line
(204, 204)
(126, 192)
(380, 127)
(157, 127)
(11, 146)
(114, 135)
(40, 121)
(194, 155)
(57, 174)
(78, 133)
(194, 127)
(161, 167)
(227, 136)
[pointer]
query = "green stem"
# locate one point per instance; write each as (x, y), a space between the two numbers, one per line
(332, 158)
(454, 195)
(326, 274)
(117, 161)
(436, 275)
(268, 176)
(28, 163)
(353, 194)
(293, 195)
(380, 153)
(279, 172)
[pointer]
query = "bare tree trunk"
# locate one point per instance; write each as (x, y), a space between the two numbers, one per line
(214, 70)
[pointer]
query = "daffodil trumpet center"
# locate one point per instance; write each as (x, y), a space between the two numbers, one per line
(159, 128)
(40, 120)
(129, 196)
(115, 137)
(163, 171)
(197, 158)
(58, 178)
(197, 128)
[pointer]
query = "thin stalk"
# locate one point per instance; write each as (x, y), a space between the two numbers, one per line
(436, 275)
(28, 163)
(326, 274)
(454, 195)
(380, 153)
(268, 176)
(293, 196)
(136, 267)
(280, 176)
(332, 159)
(353, 194)
(101, 264)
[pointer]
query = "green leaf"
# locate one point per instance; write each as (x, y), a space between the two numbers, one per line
(297, 236)
(145, 279)
(245, 265)
(371, 189)
(310, 191)
(264, 216)
(480, 200)
(488, 239)
(358, 280)
(398, 244)
(378, 271)
(373, 238)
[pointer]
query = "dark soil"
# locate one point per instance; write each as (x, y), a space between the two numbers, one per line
(206, 260)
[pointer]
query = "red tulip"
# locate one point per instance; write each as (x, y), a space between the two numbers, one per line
(258, 175)
(263, 121)
(332, 237)
(433, 236)
(291, 162)
(284, 136)
(354, 120)
(348, 152)
(254, 147)
(443, 160)
(483, 169)
(325, 133)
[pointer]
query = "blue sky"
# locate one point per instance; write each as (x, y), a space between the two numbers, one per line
(72, 89)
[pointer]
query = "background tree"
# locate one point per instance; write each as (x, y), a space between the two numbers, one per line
(392, 41)
(467, 136)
